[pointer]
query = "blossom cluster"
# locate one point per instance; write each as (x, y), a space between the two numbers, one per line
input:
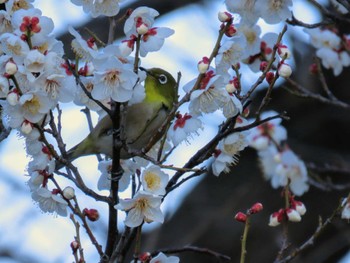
(34, 79)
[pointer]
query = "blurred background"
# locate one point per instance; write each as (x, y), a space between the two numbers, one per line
(202, 212)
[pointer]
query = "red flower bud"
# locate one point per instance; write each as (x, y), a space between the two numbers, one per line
(256, 208)
(91, 214)
(74, 246)
(241, 217)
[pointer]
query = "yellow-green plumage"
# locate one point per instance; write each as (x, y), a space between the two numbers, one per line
(142, 120)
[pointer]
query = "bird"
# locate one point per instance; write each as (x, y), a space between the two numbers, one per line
(142, 120)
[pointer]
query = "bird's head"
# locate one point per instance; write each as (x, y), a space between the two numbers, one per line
(160, 86)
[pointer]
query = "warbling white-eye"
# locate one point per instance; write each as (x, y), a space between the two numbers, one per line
(142, 120)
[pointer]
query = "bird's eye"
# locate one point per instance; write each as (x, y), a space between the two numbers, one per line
(162, 79)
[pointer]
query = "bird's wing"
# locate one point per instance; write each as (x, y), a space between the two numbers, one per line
(142, 122)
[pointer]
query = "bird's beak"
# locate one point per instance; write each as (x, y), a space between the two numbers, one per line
(147, 72)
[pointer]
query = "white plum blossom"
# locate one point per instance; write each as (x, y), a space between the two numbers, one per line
(245, 8)
(4, 87)
(232, 106)
(105, 167)
(99, 7)
(5, 22)
(228, 149)
(153, 40)
(329, 49)
(252, 36)
(267, 133)
(50, 201)
(141, 15)
(230, 53)
(183, 128)
(112, 79)
(284, 169)
(14, 5)
(37, 179)
(34, 62)
(162, 258)
(34, 105)
(142, 207)
(14, 46)
(82, 48)
(154, 180)
(33, 23)
(222, 161)
(105, 7)
(209, 97)
(333, 60)
(274, 11)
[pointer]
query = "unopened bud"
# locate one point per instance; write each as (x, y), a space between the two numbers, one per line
(284, 70)
(293, 215)
(142, 29)
(263, 65)
(241, 217)
(12, 98)
(203, 65)
(11, 68)
(68, 192)
(300, 207)
(26, 127)
(224, 17)
(276, 218)
(283, 51)
(245, 112)
(230, 87)
(260, 143)
(74, 246)
(92, 214)
(145, 257)
(230, 31)
(256, 208)
(313, 69)
(269, 77)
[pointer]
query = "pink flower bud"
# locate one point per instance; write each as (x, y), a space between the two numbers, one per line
(246, 112)
(145, 257)
(293, 215)
(269, 77)
(313, 68)
(263, 65)
(230, 31)
(256, 208)
(91, 214)
(241, 217)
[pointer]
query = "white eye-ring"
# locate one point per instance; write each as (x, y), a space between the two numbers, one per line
(162, 79)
